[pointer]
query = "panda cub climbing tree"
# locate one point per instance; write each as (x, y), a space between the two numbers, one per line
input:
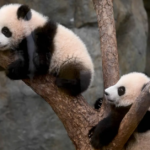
(121, 96)
(42, 46)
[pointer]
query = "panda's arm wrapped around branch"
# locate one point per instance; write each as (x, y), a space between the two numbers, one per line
(132, 119)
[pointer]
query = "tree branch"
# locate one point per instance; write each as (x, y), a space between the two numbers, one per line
(74, 112)
(104, 10)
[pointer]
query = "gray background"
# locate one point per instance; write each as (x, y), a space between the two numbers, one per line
(27, 122)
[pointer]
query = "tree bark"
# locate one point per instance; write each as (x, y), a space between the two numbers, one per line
(108, 42)
(74, 112)
(77, 116)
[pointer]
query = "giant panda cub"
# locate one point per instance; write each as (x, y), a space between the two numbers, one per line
(121, 96)
(42, 46)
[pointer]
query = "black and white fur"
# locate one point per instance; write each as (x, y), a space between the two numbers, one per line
(121, 96)
(42, 46)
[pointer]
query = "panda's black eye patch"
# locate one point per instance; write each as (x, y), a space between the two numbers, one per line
(121, 90)
(6, 32)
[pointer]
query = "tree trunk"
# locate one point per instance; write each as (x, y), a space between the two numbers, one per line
(107, 31)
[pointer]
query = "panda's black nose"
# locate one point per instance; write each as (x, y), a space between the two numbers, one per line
(106, 93)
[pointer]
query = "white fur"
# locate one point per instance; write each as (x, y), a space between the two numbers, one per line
(133, 82)
(139, 141)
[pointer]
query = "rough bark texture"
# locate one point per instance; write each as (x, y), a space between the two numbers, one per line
(74, 112)
(108, 43)
(104, 10)
(77, 116)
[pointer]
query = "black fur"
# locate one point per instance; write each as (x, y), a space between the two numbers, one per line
(98, 103)
(19, 68)
(6, 32)
(121, 90)
(24, 12)
(107, 129)
(144, 125)
(40, 46)
(73, 77)
(43, 37)
(104, 132)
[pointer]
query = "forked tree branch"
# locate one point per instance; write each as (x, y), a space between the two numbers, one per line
(74, 112)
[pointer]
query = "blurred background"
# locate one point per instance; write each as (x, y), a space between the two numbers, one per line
(27, 122)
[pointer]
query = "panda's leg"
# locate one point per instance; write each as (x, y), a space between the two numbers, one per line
(17, 70)
(104, 132)
(74, 78)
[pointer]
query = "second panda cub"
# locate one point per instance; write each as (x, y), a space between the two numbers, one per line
(121, 96)
(43, 46)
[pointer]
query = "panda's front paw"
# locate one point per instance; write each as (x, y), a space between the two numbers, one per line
(17, 70)
(98, 103)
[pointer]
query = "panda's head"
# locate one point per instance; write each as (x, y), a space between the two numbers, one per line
(16, 22)
(127, 89)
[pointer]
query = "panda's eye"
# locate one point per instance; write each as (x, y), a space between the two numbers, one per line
(121, 90)
(6, 32)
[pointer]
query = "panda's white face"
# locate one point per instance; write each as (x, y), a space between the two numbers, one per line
(11, 29)
(126, 90)
(14, 29)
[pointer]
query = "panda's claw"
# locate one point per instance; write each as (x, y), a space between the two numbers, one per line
(98, 103)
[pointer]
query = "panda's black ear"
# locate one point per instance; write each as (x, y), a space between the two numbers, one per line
(24, 12)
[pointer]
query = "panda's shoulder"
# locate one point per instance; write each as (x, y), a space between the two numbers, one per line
(144, 125)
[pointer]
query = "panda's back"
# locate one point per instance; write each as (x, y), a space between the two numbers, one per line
(68, 48)
(139, 141)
